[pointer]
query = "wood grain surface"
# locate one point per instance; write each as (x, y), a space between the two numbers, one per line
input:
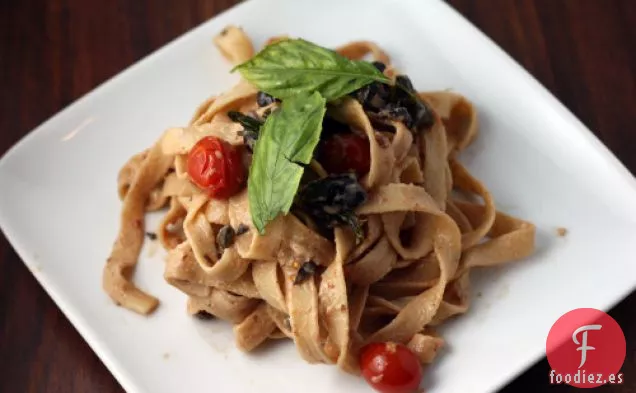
(54, 51)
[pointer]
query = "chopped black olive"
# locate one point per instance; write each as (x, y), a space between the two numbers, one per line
(404, 82)
(264, 99)
(248, 122)
(334, 194)
(204, 315)
(267, 112)
(305, 271)
(379, 65)
(398, 102)
(249, 138)
(151, 235)
(251, 126)
(241, 229)
(397, 113)
(423, 115)
(225, 237)
(406, 96)
(373, 96)
(331, 201)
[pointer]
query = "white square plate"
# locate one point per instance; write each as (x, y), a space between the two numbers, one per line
(59, 208)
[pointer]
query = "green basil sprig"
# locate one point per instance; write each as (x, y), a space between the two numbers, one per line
(294, 66)
(305, 76)
(287, 140)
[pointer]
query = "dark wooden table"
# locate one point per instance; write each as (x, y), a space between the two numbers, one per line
(54, 51)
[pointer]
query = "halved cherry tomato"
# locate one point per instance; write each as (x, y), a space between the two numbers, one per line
(345, 152)
(216, 167)
(390, 368)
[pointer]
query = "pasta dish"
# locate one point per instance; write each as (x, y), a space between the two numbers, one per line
(319, 200)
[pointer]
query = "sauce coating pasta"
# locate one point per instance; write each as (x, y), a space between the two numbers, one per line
(426, 222)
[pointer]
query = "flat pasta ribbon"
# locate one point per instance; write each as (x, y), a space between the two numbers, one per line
(427, 223)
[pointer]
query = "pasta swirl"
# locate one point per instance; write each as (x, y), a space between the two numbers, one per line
(423, 233)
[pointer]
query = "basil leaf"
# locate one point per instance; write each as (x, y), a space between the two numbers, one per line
(290, 67)
(296, 127)
(287, 139)
(272, 183)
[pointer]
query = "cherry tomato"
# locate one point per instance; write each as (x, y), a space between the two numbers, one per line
(390, 368)
(345, 152)
(216, 167)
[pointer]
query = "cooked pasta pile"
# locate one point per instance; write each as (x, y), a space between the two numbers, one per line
(426, 223)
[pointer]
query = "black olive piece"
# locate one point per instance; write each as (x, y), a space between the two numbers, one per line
(225, 237)
(305, 271)
(334, 194)
(373, 96)
(404, 95)
(404, 82)
(397, 113)
(267, 112)
(379, 95)
(379, 65)
(361, 93)
(423, 115)
(248, 122)
(249, 138)
(204, 315)
(264, 99)
(330, 201)
(402, 92)
(241, 229)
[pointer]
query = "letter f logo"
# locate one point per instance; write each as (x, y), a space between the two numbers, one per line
(584, 348)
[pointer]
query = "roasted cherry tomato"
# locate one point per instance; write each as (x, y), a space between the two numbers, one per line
(345, 152)
(390, 368)
(216, 167)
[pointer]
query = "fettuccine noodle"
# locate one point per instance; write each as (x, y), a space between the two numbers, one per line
(408, 275)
